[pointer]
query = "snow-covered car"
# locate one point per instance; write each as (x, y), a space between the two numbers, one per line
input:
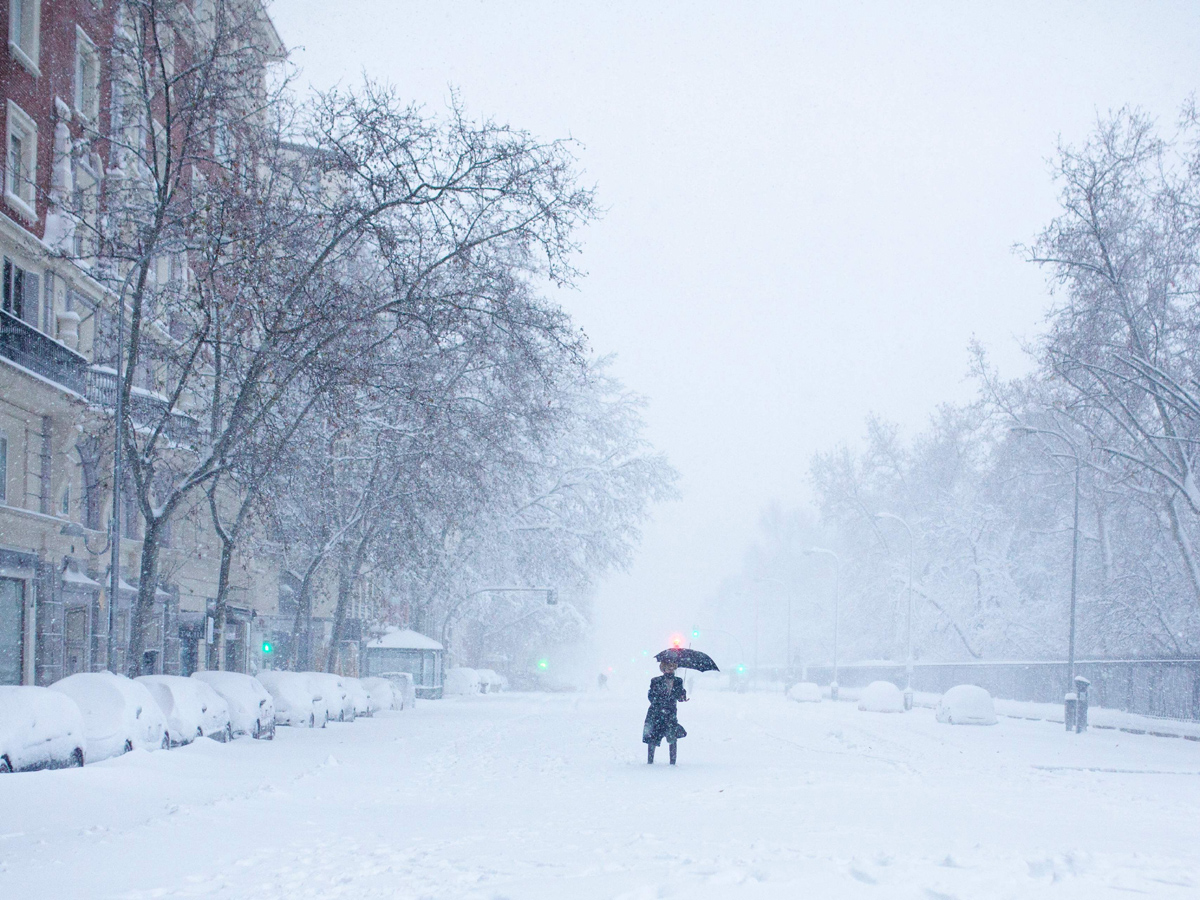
(404, 689)
(39, 729)
(966, 704)
(881, 696)
(251, 709)
(295, 701)
(119, 714)
(805, 692)
(462, 681)
(192, 709)
(491, 681)
(381, 693)
(359, 696)
(338, 705)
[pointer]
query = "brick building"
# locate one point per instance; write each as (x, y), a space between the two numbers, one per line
(58, 378)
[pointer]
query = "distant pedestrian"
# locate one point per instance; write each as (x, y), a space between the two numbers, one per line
(661, 722)
(602, 681)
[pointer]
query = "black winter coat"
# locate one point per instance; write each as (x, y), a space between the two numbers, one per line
(661, 722)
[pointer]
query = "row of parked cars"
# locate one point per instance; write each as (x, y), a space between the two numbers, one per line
(461, 680)
(92, 716)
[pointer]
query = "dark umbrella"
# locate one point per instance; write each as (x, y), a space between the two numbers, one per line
(688, 659)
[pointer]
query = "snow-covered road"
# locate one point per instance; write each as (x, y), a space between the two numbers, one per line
(548, 796)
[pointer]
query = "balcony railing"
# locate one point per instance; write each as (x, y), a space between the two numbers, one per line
(146, 409)
(24, 345)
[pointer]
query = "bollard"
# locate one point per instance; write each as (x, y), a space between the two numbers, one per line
(1081, 703)
(1070, 702)
(833, 690)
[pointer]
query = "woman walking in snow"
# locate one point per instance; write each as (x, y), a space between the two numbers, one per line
(661, 722)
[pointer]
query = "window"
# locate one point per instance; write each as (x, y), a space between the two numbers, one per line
(20, 162)
(3, 470)
(24, 23)
(21, 292)
(87, 77)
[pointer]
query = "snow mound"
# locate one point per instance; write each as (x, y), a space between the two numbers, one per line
(39, 729)
(881, 696)
(805, 692)
(966, 704)
(460, 680)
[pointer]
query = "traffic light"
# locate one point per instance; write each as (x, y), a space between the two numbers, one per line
(695, 632)
(543, 664)
(741, 669)
(267, 647)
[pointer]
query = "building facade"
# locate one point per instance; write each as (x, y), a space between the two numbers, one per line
(58, 386)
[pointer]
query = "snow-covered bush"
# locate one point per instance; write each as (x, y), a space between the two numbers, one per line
(881, 696)
(966, 704)
(460, 680)
(191, 708)
(39, 729)
(119, 714)
(295, 701)
(805, 692)
(251, 709)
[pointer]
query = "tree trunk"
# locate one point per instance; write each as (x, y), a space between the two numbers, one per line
(143, 608)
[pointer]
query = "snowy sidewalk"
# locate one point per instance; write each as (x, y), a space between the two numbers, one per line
(548, 796)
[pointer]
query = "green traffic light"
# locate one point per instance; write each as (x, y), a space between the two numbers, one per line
(741, 669)
(267, 648)
(695, 632)
(543, 664)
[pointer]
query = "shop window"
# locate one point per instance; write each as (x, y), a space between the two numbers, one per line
(12, 629)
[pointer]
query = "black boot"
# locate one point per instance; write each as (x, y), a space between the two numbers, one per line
(673, 747)
(650, 754)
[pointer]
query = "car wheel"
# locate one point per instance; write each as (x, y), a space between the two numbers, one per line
(5, 764)
(128, 747)
(77, 757)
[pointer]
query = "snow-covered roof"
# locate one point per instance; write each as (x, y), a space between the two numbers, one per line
(405, 639)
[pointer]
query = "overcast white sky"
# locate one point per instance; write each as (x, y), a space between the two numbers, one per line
(811, 207)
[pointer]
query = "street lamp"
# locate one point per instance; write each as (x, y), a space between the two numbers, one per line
(908, 664)
(787, 592)
(837, 588)
(1070, 701)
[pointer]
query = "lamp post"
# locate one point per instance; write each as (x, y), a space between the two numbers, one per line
(908, 659)
(837, 588)
(1070, 700)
